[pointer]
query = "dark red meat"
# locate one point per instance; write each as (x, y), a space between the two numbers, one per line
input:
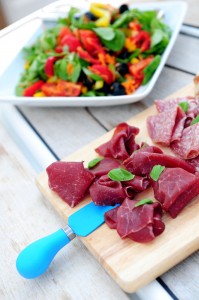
(195, 163)
(122, 143)
(161, 127)
(188, 146)
(70, 180)
(179, 125)
(141, 163)
(105, 191)
(104, 166)
(136, 185)
(141, 224)
(110, 218)
(175, 188)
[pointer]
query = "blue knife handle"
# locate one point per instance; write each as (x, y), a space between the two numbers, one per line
(36, 258)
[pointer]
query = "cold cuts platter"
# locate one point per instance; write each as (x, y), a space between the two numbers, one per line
(131, 264)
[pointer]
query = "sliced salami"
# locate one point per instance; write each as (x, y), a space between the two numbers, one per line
(188, 146)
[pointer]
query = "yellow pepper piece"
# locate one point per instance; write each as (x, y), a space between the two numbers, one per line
(134, 60)
(98, 84)
(99, 10)
(52, 80)
(130, 45)
(39, 94)
(84, 90)
(27, 65)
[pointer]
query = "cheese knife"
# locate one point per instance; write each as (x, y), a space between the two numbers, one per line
(35, 259)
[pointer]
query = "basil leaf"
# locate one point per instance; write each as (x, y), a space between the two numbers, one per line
(196, 120)
(120, 174)
(60, 69)
(156, 37)
(150, 69)
(72, 12)
(94, 162)
(144, 201)
(107, 34)
(117, 43)
(76, 72)
(156, 172)
(184, 106)
(92, 75)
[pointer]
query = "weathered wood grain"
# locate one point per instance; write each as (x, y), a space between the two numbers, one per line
(133, 265)
(26, 216)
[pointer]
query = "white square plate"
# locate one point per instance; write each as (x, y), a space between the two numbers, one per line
(174, 12)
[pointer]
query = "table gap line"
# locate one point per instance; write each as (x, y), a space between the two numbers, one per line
(165, 286)
(96, 119)
(179, 69)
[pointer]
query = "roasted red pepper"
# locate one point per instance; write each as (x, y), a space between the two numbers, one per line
(64, 31)
(135, 26)
(104, 72)
(142, 40)
(62, 89)
(32, 89)
(48, 68)
(86, 56)
(137, 69)
(91, 42)
(71, 41)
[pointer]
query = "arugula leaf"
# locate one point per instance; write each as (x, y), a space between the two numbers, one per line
(131, 56)
(60, 69)
(89, 94)
(91, 74)
(76, 72)
(107, 34)
(124, 19)
(117, 43)
(150, 69)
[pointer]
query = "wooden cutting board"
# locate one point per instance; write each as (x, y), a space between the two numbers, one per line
(133, 265)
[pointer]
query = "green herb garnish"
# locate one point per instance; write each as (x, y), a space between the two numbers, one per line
(107, 34)
(117, 43)
(92, 75)
(196, 120)
(156, 172)
(120, 174)
(184, 106)
(94, 162)
(150, 69)
(144, 201)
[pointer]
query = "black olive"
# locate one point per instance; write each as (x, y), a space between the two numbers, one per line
(117, 89)
(105, 89)
(124, 55)
(88, 83)
(82, 76)
(90, 16)
(122, 68)
(123, 8)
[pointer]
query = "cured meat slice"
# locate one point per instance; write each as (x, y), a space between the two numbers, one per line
(105, 191)
(179, 125)
(141, 163)
(188, 146)
(104, 166)
(195, 163)
(161, 127)
(122, 143)
(141, 224)
(136, 185)
(167, 104)
(110, 218)
(70, 180)
(175, 188)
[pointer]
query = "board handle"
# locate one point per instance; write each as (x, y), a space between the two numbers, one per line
(35, 259)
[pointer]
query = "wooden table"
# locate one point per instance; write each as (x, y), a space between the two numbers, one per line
(25, 215)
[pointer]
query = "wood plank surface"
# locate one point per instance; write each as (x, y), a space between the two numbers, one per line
(133, 265)
(26, 216)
